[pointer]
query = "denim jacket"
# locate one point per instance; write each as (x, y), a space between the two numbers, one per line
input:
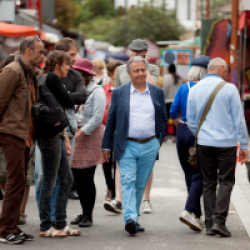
(90, 115)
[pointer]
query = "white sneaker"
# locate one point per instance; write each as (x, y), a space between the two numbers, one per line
(200, 221)
(189, 219)
(147, 208)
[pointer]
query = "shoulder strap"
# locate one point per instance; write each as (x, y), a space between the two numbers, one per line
(208, 106)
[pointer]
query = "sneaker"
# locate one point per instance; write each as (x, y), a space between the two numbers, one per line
(147, 208)
(200, 221)
(189, 219)
(27, 237)
(113, 206)
(12, 239)
(73, 195)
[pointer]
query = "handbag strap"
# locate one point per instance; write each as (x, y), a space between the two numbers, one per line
(208, 107)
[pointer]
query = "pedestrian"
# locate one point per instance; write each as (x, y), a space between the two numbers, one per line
(138, 118)
(18, 93)
(223, 126)
(191, 215)
(109, 168)
(139, 47)
(88, 153)
(30, 181)
(101, 77)
(171, 83)
(74, 85)
(53, 148)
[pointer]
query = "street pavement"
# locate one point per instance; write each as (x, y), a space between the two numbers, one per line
(163, 228)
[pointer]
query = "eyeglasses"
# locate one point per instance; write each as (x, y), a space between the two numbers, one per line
(33, 40)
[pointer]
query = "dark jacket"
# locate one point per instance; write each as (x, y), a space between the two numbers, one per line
(15, 98)
(118, 118)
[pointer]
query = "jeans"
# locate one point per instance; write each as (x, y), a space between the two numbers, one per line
(39, 178)
(193, 177)
(55, 167)
(135, 167)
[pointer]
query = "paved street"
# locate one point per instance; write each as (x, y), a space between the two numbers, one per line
(163, 229)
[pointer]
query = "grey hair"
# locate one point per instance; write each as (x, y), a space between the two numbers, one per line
(135, 59)
(215, 63)
(196, 73)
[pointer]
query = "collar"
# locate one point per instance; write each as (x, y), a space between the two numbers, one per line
(132, 89)
(211, 74)
(29, 69)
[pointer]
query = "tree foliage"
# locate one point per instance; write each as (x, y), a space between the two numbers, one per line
(65, 11)
(141, 22)
(214, 6)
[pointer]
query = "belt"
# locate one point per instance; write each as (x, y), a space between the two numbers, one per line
(142, 140)
(183, 122)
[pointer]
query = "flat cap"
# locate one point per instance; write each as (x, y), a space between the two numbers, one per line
(202, 61)
(138, 45)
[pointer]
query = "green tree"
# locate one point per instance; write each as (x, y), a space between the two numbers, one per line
(214, 8)
(65, 11)
(142, 22)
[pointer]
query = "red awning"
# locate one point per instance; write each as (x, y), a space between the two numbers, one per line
(17, 30)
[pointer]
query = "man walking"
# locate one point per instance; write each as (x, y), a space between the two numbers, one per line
(18, 90)
(138, 118)
(139, 47)
(217, 142)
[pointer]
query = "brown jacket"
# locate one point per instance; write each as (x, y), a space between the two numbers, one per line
(15, 99)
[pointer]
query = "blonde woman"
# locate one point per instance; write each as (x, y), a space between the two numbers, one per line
(101, 77)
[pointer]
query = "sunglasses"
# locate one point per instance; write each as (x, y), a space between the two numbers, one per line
(33, 40)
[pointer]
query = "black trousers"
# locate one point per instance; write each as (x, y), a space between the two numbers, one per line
(109, 172)
(86, 189)
(217, 162)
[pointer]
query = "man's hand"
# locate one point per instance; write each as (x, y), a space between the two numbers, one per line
(79, 133)
(243, 156)
(106, 155)
(68, 147)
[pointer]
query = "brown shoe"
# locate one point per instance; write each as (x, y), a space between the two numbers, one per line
(22, 219)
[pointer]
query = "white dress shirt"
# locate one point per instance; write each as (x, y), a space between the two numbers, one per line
(141, 115)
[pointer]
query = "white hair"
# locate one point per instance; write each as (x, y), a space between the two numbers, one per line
(215, 63)
(136, 59)
(196, 73)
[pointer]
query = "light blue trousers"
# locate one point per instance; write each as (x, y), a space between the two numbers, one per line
(135, 168)
(39, 178)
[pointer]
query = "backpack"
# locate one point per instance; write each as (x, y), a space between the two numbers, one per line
(52, 118)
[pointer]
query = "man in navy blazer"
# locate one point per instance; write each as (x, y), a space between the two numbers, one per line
(138, 118)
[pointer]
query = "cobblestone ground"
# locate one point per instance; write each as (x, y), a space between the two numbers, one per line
(163, 229)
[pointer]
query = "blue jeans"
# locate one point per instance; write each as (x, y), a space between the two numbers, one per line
(55, 166)
(39, 178)
(193, 177)
(135, 167)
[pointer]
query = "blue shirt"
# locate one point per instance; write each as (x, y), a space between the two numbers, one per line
(141, 115)
(180, 101)
(225, 123)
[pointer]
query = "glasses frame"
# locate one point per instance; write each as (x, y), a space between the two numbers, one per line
(33, 40)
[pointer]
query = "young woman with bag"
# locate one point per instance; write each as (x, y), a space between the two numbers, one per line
(88, 153)
(53, 153)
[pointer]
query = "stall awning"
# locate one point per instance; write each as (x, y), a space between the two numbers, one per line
(17, 30)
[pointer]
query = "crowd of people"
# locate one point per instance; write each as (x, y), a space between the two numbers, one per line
(59, 121)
